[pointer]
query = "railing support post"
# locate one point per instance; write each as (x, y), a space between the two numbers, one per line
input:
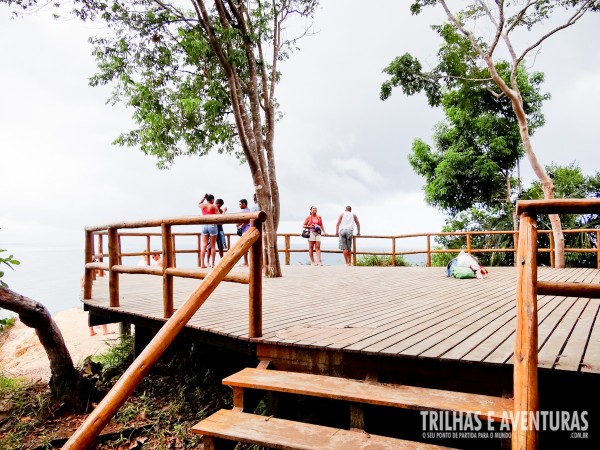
(147, 255)
(113, 260)
(89, 256)
(393, 251)
(552, 263)
(468, 242)
(354, 250)
(100, 250)
(200, 249)
(598, 249)
(287, 249)
(255, 287)
(428, 263)
(168, 260)
(524, 435)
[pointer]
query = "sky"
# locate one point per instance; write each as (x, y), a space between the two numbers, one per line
(337, 143)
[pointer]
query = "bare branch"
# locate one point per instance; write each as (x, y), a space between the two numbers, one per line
(572, 20)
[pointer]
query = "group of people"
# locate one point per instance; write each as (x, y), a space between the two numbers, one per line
(213, 237)
(344, 228)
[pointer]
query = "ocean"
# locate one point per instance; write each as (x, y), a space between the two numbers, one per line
(51, 274)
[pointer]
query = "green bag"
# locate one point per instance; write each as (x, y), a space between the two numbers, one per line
(462, 272)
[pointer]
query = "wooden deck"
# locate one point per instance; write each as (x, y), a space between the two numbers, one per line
(413, 312)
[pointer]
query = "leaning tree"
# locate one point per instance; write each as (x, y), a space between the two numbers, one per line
(67, 385)
(539, 18)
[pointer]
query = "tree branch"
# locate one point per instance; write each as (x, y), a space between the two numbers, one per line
(572, 20)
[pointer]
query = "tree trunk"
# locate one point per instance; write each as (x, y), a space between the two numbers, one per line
(545, 181)
(66, 384)
(538, 169)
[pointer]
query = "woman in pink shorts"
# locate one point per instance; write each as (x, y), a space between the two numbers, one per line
(314, 223)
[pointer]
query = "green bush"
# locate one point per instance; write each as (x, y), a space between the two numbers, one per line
(381, 261)
(442, 259)
(6, 323)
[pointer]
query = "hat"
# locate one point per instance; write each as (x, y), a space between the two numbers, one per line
(317, 229)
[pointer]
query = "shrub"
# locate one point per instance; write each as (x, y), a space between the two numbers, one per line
(381, 261)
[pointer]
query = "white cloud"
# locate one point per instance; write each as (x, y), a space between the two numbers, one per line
(337, 143)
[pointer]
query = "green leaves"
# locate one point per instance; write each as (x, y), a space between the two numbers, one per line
(9, 261)
(406, 72)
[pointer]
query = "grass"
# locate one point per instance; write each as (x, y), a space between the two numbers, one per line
(381, 261)
(6, 323)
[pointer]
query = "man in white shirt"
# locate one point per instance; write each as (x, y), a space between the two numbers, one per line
(345, 229)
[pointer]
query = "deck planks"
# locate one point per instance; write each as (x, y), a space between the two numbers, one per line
(407, 311)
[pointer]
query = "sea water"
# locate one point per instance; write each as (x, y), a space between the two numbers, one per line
(51, 274)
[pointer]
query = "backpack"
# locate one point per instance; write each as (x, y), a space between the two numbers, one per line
(462, 272)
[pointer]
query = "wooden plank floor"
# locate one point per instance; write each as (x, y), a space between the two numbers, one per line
(413, 311)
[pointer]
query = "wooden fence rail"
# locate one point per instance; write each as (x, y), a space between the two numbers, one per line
(94, 260)
(394, 242)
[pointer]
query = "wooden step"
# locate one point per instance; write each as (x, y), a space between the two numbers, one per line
(285, 434)
(398, 396)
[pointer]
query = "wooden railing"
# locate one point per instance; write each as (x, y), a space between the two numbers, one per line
(428, 250)
(251, 241)
(393, 242)
(526, 401)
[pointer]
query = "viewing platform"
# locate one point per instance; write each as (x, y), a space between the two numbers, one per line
(313, 316)
(523, 339)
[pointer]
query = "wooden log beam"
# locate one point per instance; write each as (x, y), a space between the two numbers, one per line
(584, 290)
(138, 270)
(101, 415)
(114, 260)
(559, 206)
(186, 220)
(97, 266)
(255, 287)
(526, 400)
(89, 273)
(200, 274)
(168, 262)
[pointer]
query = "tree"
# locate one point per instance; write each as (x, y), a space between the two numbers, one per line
(569, 182)
(200, 79)
(478, 146)
(66, 383)
(504, 19)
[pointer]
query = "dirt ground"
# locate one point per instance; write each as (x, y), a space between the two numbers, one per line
(22, 355)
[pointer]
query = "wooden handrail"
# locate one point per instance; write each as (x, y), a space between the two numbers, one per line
(559, 206)
(122, 390)
(188, 220)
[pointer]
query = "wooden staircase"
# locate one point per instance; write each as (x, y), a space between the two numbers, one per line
(236, 425)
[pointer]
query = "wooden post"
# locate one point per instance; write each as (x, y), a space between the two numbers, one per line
(199, 249)
(148, 248)
(113, 260)
(552, 263)
(100, 252)
(89, 256)
(393, 251)
(524, 436)
(468, 242)
(174, 250)
(255, 287)
(354, 250)
(598, 249)
(287, 249)
(167, 243)
(428, 263)
(516, 245)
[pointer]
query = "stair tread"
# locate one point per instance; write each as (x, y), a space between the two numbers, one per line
(399, 396)
(280, 433)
